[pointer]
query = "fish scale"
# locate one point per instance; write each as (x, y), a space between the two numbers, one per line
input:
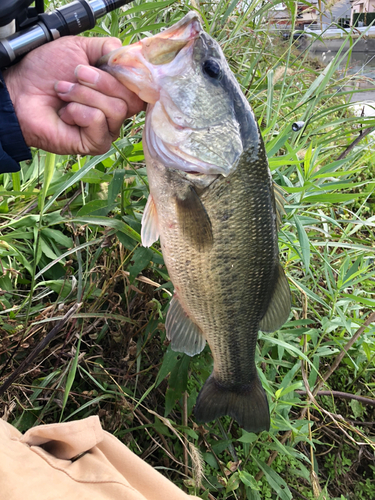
(223, 290)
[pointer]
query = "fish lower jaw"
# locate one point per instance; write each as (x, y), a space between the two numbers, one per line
(173, 157)
(170, 152)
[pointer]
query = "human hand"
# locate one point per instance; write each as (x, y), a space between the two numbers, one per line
(58, 73)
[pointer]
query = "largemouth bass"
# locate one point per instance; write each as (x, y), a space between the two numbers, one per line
(212, 204)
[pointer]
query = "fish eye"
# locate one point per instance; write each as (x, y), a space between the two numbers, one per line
(212, 68)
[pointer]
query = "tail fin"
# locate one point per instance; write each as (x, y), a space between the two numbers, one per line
(247, 404)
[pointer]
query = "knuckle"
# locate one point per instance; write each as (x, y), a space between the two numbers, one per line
(72, 108)
(121, 109)
(111, 43)
(79, 112)
(97, 116)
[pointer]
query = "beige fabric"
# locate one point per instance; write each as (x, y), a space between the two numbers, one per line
(38, 465)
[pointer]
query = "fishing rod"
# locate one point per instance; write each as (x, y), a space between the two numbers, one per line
(23, 28)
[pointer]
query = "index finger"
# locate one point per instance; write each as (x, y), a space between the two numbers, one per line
(108, 85)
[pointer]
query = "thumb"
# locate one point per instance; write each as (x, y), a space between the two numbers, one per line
(96, 47)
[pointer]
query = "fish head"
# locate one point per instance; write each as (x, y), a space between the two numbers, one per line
(138, 66)
(197, 117)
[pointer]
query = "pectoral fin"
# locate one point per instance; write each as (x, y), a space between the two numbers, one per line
(184, 334)
(194, 220)
(279, 307)
(150, 227)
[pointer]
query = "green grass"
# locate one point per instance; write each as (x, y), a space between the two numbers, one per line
(70, 233)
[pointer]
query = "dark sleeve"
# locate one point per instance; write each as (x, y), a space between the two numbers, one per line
(13, 148)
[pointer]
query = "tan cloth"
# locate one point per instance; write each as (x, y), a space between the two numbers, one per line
(38, 465)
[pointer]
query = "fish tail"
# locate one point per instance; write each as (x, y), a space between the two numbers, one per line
(247, 404)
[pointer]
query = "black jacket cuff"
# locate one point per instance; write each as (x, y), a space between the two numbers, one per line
(13, 148)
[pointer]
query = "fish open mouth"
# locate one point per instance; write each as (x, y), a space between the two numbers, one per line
(137, 65)
(164, 47)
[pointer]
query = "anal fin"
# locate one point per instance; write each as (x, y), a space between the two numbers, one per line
(150, 227)
(184, 334)
(279, 307)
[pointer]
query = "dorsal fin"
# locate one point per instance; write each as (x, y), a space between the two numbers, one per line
(279, 307)
(280, 201)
